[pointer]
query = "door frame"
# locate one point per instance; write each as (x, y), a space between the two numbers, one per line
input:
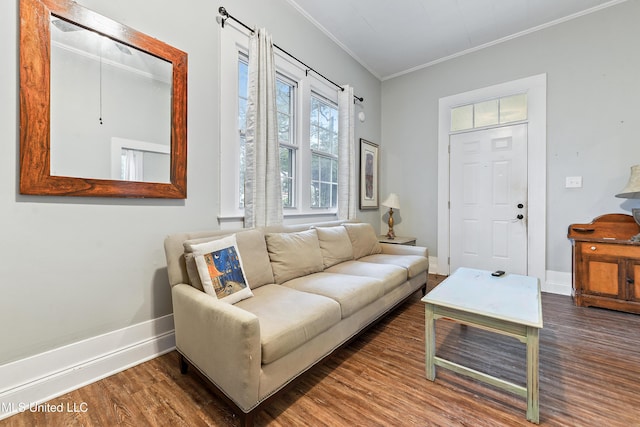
(536, 89)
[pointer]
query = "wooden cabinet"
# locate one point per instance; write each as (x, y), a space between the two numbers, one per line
(606, 264)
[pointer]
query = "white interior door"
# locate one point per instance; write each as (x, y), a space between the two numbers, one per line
(488, 199)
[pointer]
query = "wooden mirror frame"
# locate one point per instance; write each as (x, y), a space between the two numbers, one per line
(35, 121)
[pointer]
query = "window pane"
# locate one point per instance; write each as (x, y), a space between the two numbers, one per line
(324, 126)
(334, 171)
(315, 111)
(325, 195)
(462, 117)
(314, 137)
(283, 96)
(286, 175)
(284, 125)
(287, 193)
(315, 194)
(324, 181)
(486, 113)
(513, 108)
(243, 78)
(315, 168)
(325, 169)
(334, 195)
(243, 70)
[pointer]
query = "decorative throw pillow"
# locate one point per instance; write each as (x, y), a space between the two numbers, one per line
(220, 269)
(253, 249)
(294, 254)
(364, 239)
(335, 245)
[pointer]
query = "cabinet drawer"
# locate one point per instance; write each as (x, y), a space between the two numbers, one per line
(612, 250)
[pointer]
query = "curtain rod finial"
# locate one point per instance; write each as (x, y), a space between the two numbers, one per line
(224, 15)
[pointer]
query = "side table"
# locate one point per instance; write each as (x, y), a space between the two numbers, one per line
(399, 240)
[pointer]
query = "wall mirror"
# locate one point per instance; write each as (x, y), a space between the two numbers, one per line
(102, 106)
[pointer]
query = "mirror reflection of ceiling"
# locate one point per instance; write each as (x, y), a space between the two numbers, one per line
(68, 35)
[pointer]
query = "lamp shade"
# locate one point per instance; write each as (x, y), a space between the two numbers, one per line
(393, 202)
(632, 189)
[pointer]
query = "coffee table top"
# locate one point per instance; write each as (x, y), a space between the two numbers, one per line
(511, 297)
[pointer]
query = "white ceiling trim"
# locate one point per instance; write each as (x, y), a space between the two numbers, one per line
(455, 55)
(507, 38)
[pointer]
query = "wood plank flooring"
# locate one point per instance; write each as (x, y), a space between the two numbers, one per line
(589, 376)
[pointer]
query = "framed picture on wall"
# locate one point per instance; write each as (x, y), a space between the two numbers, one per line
(369, 162)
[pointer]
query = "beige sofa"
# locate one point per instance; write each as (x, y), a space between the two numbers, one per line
(314, 288)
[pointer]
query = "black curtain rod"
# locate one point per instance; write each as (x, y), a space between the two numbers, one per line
(225, 16)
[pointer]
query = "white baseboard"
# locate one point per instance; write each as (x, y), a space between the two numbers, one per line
(31, 381)
(433, 265)
(557, 282)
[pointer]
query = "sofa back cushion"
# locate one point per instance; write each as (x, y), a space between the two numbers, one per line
(252, 248)
(294, 254)
(335, 245)
(363, 239)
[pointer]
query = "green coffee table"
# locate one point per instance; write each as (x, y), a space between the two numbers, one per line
(508, 305)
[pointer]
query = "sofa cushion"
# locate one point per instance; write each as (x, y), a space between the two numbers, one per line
(335, 245)
(289, 318)
(363, 239)
(294, 254)
(391, 275)
(415, 264)
(351, 292)
(253, 250)
(220, 269)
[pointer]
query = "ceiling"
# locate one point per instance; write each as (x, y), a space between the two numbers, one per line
(391, 38)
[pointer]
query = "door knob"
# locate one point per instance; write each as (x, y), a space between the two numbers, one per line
(520, 216)
(520, 206)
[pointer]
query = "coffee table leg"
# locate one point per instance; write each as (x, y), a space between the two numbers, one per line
(430, 342)
(533, 404)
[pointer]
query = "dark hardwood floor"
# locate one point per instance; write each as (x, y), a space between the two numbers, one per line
(589, 376)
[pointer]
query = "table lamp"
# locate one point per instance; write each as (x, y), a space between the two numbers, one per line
(632, 191)
(392, 202)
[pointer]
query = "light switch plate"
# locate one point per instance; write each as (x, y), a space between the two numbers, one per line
(573, 182)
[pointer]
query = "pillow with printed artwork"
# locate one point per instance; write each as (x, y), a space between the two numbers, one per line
(220, 269)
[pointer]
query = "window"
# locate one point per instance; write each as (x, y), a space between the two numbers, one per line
(324, 153)
(307, 120)
(286, 138)
(508, 109)
(286, 135)
(243, 78)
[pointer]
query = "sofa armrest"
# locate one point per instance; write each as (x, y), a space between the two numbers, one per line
(393, 249)
(221, 340)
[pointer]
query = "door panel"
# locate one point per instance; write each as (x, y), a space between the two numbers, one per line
(488, 190)
(603, 277)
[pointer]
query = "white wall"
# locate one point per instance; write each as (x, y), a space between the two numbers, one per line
(593, 114)
(75, 268)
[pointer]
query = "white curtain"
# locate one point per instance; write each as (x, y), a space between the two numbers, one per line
(263, 188)
(347, 188)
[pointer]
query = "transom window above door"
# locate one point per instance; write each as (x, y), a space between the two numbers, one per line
(498, 111)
